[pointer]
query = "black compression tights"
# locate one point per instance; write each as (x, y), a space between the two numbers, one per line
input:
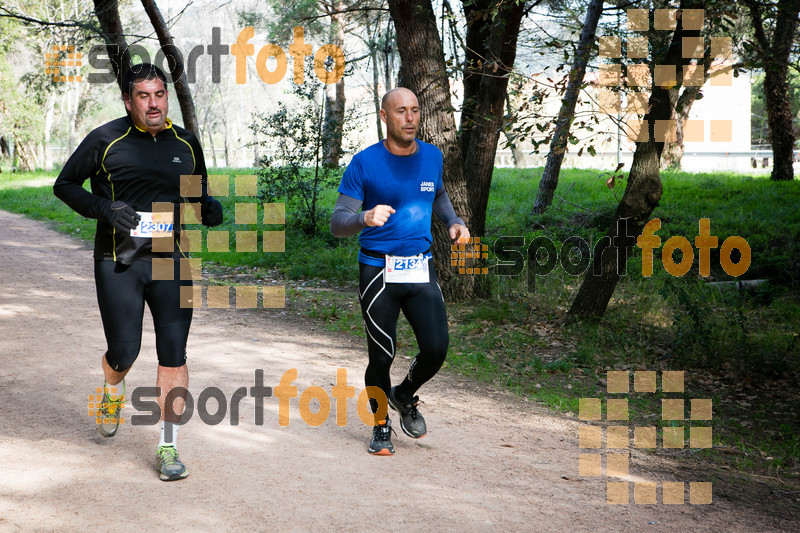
(423, 306)
(122, 292)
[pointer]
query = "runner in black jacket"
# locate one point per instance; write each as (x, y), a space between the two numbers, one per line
(135, 165)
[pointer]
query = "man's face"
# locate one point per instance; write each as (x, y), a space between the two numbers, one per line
(401, 115)
(148, 105)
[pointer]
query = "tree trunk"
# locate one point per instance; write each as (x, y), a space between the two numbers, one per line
(558, 146)
(641, 196)
(333, 126)
(107, 12)
(182, 91)
(495, 35)
(775, 58)
(49, 114)
(424, 73)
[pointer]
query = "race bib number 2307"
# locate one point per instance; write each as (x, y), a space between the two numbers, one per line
(153, 225)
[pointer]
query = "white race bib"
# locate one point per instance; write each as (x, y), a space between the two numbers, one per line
(153, 225)
(413, 269)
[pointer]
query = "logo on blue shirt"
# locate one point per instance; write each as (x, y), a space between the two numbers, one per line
(426, 186)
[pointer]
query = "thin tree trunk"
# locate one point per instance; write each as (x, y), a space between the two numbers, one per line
(182, 91)
(775, 56)
(641, 196)
(376, 100)
(107, 12)
(425, 74)
(49, 114)
(333, 126)
(558, 146)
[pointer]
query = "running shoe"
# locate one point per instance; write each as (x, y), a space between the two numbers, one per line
(109, 415)
(169, 464)
(382, 439)
(411, 421)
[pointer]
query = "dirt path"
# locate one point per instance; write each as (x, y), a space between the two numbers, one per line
(490, 462)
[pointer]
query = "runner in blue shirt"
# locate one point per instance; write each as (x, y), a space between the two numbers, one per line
(398, 183)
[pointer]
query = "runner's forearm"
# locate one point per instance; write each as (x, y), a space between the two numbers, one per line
(346, 221)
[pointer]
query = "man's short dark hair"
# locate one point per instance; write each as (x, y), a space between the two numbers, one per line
(139, 72)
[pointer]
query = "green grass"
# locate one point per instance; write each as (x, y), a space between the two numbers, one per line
(739, 348)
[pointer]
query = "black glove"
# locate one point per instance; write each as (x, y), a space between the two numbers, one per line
(121, 216)
(211, 212)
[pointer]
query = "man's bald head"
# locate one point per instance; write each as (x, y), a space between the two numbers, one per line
(397, 92)
(400, 112)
